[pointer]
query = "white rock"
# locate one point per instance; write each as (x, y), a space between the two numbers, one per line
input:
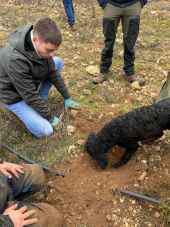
(92, 69)
(142, 176)
(71, 149)
(70, 129)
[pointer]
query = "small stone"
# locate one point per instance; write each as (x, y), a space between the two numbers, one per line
(157, 148)
(108, 217)
(92, 69)
(98, 183)
(133, 202)
(115, 105)
(122, 200)
(70, 129)
(97, 192)
(74, 113)
(114, 217)
(71, 149)
(144, 164)
(80, 142)
(157, 215)
(86, 92)
(142, 176)
(136, 85)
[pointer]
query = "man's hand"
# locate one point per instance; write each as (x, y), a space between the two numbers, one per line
(20, 217)
(69, 103)
(55, 121)
(10, 169)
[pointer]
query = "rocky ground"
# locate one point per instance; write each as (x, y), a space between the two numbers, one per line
(85, 195)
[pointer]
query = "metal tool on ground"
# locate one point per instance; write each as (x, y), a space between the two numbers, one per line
(138, 196)
(29, 161)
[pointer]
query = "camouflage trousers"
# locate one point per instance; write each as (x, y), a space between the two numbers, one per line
(32, 180)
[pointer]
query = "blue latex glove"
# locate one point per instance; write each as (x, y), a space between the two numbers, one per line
(69, 103)
(55, 121)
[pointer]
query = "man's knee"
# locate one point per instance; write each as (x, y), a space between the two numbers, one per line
(132, 28)
(43, 130)
(34, 174)
(59, 63)
(31, 181)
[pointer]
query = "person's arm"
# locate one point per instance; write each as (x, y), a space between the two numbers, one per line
(143, 2)
(60, 85)
(19, 73)
(57, 80)
(102, 3)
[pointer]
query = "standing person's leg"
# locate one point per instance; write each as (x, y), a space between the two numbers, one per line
(110, 23)
(130, 24)
(69, 9)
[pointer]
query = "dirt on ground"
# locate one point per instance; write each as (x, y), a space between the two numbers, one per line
(86, 195)
(89, 197)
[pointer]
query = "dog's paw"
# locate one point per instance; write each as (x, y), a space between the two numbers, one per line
(103, 163)
(116, 164)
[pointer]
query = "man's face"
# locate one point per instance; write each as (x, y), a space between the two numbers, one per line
(44, 49)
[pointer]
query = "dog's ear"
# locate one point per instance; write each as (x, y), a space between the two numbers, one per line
(92, 137)
(91, 140)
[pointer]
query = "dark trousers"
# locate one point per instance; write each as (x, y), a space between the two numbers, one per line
(130, 19)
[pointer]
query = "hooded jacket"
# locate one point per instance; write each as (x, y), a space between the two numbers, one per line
(22, 71)
(120, 3)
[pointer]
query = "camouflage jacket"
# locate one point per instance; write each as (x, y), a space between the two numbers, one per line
(5, 221)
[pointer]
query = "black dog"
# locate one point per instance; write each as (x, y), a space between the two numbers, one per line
(142, 124)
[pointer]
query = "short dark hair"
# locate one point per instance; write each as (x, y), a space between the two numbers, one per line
(48, 31)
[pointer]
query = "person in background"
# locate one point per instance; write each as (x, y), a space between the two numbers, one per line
(69, 9)
(128, 12)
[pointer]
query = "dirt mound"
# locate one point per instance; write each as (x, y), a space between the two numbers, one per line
(85, 193)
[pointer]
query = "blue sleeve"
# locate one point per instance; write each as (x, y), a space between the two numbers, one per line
(102, 3)
(143, 2)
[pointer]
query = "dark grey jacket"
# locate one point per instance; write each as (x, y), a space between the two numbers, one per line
(22, 71)
(120, 3)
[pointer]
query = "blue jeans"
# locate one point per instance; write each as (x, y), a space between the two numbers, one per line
(69, 9)
(33, 121)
